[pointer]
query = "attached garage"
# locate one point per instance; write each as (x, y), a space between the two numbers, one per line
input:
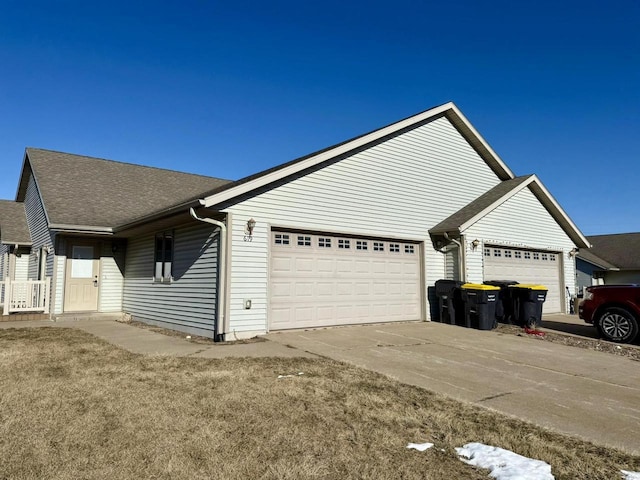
(527, 266)
(361, 231)
(319, 280)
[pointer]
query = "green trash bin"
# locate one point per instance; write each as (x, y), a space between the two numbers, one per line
(527, 303)
(480, 305)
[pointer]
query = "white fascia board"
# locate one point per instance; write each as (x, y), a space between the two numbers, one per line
(547, 200)
(473, 137)
(9, 242)
(64, 228)
(572, 230)
(35, 180)
(496, 204)
(449, 109)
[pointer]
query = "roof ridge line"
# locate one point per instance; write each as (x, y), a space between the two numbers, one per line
(27, 149)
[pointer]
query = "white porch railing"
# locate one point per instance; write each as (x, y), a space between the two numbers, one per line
(25, 296)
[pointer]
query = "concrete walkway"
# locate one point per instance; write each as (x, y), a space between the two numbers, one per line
(147, 342)
(590, 394)
(586, 393)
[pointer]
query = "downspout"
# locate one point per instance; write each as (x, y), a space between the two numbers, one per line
(221, 326)
(461, 269)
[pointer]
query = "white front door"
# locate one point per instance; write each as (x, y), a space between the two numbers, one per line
(81, 286)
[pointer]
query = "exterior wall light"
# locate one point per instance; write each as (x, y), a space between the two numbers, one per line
(475, 244)
(250, 226)
(572, 252)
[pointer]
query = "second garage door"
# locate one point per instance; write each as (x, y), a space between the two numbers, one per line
(322, 280)
(527, 266)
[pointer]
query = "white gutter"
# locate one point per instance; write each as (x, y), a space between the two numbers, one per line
(67, 228)
(221, 326)
(461, 262)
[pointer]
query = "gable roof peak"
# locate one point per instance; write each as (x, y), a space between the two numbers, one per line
(252, 183)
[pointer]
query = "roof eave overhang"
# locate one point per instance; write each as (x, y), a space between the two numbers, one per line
(159, 215)
(66, 228)
(571, 229)
(543, 196)
(13, 242)
(596, 264)
(449, 110)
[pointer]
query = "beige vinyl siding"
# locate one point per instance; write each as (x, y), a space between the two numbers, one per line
(452, 263)
(111, 278)
(522, 222)
(60, 261)
(38, 228)
(188, 303)
(21, 272)
(398, 189)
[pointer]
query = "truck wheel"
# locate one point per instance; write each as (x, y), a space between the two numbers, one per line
(618, 325)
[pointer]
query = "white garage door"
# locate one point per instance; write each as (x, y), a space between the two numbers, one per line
(321, 280)
(527, 266)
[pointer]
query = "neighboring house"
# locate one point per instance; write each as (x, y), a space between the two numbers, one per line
(612, 259)
(356, 233)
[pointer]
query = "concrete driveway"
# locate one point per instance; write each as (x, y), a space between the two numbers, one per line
(590, 394)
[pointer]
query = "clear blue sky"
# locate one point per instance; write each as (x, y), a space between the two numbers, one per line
(230, 88)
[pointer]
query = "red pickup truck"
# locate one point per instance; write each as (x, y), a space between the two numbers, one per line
(614, 310)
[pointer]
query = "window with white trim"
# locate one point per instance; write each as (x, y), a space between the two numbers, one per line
(545, 257)
(507, 254)
(410, 249)
(497, 252)
(527, 255)
(552, 257)
(487, 252)
(344, 243)
(163, 257)
(378, 247)
(518, 254)
(536, 256)
(394, 247)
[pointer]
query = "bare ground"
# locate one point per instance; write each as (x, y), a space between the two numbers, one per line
(73, 406)
(629, 351)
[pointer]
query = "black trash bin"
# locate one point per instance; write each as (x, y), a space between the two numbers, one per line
(450, 301)
(504, 305)
(480, 305)
(527, 303)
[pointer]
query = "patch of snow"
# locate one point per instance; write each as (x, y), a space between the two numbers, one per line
(421, 447)
(504, 464)
(630, 475)
(291, 376)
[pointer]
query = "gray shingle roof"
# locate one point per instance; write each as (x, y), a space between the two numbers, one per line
(87, 191)
(466, 213)
(621, 250)
(13, 223)
(588, 256)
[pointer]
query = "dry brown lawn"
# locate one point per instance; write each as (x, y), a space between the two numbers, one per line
(73, 406)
